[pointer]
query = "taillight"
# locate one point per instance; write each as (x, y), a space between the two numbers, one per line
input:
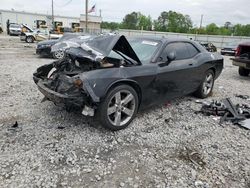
(237, 53)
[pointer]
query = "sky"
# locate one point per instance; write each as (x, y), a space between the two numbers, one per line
(213, 11)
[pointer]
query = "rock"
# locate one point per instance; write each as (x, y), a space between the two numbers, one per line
(98, 178)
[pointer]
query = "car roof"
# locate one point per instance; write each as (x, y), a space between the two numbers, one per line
(161, 38)
(169, 39)
(246, 43)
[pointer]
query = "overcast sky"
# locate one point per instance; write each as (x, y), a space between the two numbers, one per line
(216, 11)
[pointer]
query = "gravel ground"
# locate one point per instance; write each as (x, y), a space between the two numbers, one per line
(165, 146)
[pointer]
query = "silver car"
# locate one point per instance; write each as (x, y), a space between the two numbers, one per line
(15, 29)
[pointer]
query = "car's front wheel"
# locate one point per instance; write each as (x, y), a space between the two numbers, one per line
(59, 54)
(243, 71)
(118, 108)
(29, 39)
(206, 87)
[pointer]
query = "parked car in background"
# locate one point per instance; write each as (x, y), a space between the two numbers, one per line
(229, 48)
(44, 47)
(111, 78)
(14, 29)
(242, 58)
(209, 46)
(38, 35)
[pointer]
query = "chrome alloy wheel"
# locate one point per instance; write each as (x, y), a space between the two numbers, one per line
(121, 108)
(59, 54)
(208, 84)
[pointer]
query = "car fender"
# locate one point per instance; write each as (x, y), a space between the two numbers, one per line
(107, 78)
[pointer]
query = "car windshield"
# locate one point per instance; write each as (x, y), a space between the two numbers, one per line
(144, 48)
(231, 44)
(15, 26)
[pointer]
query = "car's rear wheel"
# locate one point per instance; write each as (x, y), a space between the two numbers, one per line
(118, 108)
(59, 54)
(206, 88)
(243, 71)
(29, 39)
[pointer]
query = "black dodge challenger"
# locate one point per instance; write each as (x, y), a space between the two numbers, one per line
(111, 78)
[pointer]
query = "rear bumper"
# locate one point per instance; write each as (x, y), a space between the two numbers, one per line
(244, 63)
(43, 51)
(231, 52)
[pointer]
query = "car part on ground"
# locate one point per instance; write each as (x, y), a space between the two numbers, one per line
(246, 97)
(228, 112)
(111, 78)
(242, 59)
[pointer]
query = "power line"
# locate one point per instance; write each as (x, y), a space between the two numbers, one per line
(63, 4)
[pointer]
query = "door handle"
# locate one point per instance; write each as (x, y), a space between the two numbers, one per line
(190, 64)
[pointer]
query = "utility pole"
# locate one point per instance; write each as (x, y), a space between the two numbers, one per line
(86, 15)
(100, 12)
(52, 14)
(201, 21)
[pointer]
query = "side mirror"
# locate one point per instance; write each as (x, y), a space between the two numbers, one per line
(171, 56)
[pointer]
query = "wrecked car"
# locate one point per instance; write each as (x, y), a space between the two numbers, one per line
(111, 79)
(242, 58)
(38, 35)
(43, 48)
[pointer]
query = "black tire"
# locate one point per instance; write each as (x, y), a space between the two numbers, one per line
(110, 102)
(29, 39)
(243, 71)
(201, 92)
(59, 55)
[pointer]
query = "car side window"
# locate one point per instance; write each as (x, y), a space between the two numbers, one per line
(179, 48)
(192, 50)
(183, 50)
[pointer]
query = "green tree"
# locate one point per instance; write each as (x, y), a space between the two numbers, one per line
(110, 25)
(131, 21)
(173, 22)
(212, 29)
(145, 22)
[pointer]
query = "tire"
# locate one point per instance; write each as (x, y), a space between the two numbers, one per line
(243, 71)
(206, 87)
(58, 54)
(29, 39)
(122, 111)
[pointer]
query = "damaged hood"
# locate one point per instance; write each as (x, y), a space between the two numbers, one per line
(98, 46)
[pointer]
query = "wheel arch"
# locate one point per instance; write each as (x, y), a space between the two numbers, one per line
(131, 83)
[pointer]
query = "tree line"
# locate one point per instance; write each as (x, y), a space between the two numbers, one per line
(172, 21)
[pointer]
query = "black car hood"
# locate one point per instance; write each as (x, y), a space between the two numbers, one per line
(98, 46)
(47, 42)
(105, 44)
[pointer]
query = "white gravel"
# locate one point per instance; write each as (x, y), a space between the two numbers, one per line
(165, 146)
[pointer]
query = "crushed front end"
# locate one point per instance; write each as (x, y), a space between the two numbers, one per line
(60, 82)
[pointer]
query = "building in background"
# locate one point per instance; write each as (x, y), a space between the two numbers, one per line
(94, 22)
(34, 20)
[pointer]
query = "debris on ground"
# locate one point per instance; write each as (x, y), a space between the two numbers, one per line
(15, 127)
(245, 97)
(237, 114)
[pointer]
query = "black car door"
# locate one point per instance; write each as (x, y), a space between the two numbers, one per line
(176, 77)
